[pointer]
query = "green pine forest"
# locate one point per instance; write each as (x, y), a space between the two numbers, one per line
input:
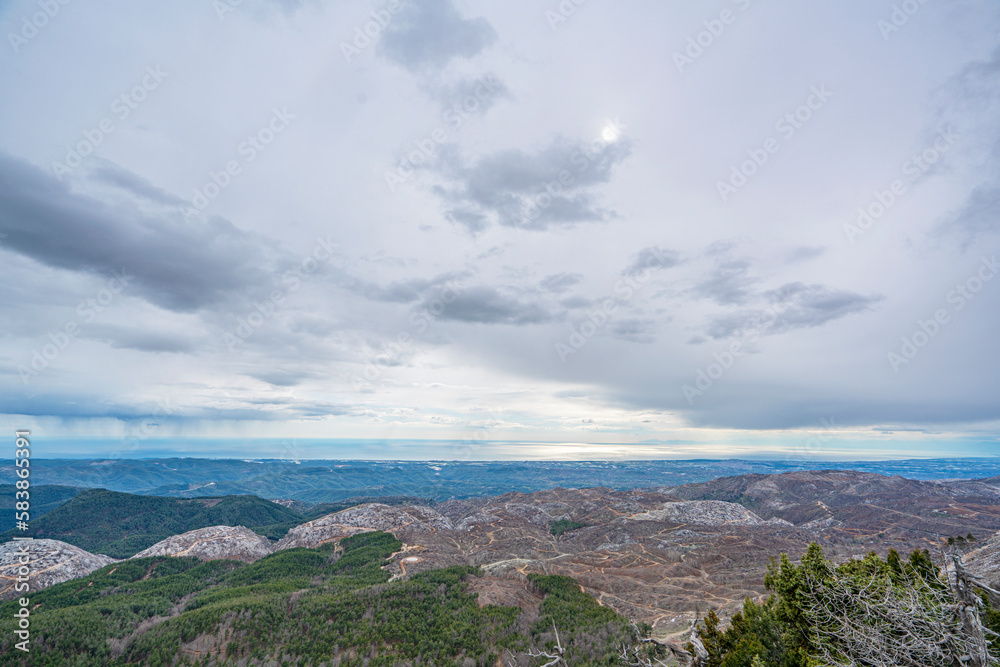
(335, 605)
(327, 606)
(123, 524)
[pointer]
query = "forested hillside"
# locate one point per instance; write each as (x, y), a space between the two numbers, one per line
(121, 524)
(303, 606)
(44, 499)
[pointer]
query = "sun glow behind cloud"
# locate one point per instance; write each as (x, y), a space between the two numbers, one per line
(553, 261)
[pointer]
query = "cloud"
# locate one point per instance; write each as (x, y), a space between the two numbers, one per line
(281, 377)
(404, 291)
(803, 253)
(653, 257)
(428, 34)
(469, 96)
(720, 247)
(978, 215)
(634, 330)
(728, 284)
(977, 89)
(472, 220)
(793, 306)
(116, 176)
(514, 188)
(178, 265)
(815, 305)
(121, 337)
(486, 305)
(559, 283)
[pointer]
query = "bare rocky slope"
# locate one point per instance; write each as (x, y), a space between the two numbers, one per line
(49, 561)
(984, 561)
(863, 502)
(231, 542)
(655, 555)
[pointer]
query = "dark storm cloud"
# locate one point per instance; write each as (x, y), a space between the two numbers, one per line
(486, 305)
(550, 187)
(792, 306)
(429, 33)
(178, 265)
(112, 174)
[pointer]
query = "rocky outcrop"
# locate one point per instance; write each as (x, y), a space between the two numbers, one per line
(49, 562)
(984, 562)
(702, 513)
(233, 543)
(313, 534)
(413, 519)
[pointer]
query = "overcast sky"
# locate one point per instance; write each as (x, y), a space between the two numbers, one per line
(678, 229)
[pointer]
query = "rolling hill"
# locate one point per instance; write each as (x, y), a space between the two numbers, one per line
(44, 498)
(122, 524)
(334, 605)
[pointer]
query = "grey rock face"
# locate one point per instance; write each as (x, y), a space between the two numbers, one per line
(234, 543)
(364, 518)
(985, 561)
(49, 562)
(702, 513)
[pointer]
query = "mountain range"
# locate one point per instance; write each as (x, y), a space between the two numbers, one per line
(658, 555)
